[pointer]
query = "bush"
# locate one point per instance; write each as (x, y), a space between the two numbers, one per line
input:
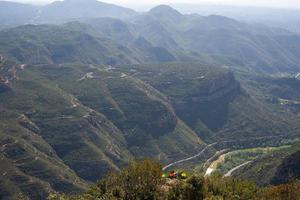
(141, 180)
(195, 188)
(289, 191)
(230, 188)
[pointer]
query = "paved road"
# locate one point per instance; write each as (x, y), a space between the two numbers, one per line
(210, 145)
(236, 168)
(189, 158)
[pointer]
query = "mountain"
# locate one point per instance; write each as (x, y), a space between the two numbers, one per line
(82, 118)
(177, 36)
(58, 108)
(214, 103)
(190, 37)
(14, 14)
(45, 44)
(83, 98)
(263, 48)
(81, 43)
(68, 10)
(277, 17)
(124, 33)
(165, 12)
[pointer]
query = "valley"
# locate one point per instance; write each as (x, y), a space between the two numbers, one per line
(83, 93)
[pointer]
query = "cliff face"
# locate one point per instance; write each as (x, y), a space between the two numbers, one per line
(200, 95)
(211, 101)
(210, 104)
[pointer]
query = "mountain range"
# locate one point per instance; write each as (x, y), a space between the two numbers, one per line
(87, 86)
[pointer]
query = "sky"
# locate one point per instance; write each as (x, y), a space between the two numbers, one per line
(149, 3)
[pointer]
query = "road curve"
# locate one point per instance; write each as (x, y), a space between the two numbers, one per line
(210, 145)
(236, 168)
(189, 158)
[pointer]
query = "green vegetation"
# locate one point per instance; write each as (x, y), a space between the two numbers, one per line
(61, 128)
(85, 116)
(236, 158)
(81, 99)
(272, 168)
(142, 180)
(46, 44)
(214, 104)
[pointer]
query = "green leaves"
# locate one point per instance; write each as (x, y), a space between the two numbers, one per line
(141, 180)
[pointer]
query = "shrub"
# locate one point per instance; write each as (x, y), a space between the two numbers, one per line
(289, 191)
(141, 180)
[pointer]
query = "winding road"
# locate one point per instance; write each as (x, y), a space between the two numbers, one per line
(210, 145)
(189, 158)
(236, 168)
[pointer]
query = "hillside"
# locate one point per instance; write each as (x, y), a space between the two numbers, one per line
(82, 98)
(79, 117)
(213, 103)
(263, 49)
(85, 99)
(194, 37)
(59, 44)
(288, 169)
(15, 14)
(75, 42)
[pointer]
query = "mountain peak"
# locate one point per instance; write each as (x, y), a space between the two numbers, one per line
(64, 11)
(163, 10)
(75, 1)
(80, 1)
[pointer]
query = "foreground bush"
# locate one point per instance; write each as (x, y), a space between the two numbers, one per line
(142, 181)
(289, 191)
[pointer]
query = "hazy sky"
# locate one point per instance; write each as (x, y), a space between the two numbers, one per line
(265, 3)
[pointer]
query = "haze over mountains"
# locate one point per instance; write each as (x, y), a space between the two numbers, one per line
(86, 86)
(287, 18)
